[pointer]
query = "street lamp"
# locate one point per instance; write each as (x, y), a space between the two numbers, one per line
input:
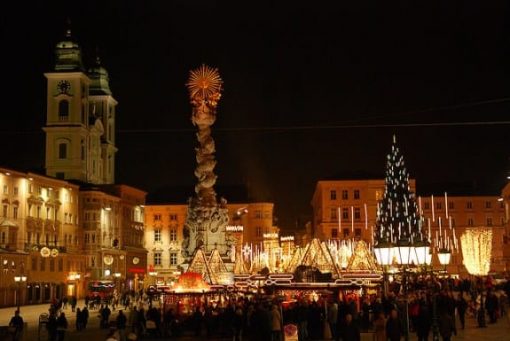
(444, 256)
(405, 252)
(384, 255)
(19, 279)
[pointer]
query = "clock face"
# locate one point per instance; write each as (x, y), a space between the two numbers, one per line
(136, 260)
(64, 86)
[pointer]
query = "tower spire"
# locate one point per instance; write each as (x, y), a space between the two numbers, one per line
(68, 28)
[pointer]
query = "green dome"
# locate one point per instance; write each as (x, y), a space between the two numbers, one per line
(68, 55)
(99, 79)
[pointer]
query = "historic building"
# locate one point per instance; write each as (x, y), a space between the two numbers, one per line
(112, 218)
(250, 223)
(40, 237)
(80, 118)
(345, 209)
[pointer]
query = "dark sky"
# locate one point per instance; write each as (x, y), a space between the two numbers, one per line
(286, 66)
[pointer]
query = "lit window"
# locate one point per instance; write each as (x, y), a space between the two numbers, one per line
(173, 234)
(157, 258)
(173, 258)
(157, 235)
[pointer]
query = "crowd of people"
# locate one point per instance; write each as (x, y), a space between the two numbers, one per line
(433, 306)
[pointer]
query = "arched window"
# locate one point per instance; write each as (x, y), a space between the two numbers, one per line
(63, 110)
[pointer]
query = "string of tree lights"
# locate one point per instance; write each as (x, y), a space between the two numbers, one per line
(398, 220)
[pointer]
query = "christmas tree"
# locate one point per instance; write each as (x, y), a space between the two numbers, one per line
(398, 220)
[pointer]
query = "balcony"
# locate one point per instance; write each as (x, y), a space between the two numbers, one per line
(34, 223)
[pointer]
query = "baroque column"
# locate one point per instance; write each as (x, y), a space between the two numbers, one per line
(206, 219)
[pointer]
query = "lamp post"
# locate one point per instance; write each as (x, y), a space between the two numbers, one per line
(444, 256)
(405, 251)
(19, 279)
(384, 255)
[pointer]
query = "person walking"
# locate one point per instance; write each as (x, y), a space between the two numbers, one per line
(446, 326)
(276, 323)
(79, 319)
(52, 326)
(350, 331)
(394, 326)
(121, 325)
(461, 309)
(85, 317)
(61, 327)
(380, 327)
(16, 325)
(333, 318)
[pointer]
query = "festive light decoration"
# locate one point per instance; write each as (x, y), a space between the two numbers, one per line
(317, 255)
(362, 259)
(204, 81)
(397, 217)
(476, 247)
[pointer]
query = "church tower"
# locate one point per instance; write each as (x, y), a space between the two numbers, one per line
(80, 119)
(103, 108)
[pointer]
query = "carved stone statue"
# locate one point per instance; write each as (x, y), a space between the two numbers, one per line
(206, 218)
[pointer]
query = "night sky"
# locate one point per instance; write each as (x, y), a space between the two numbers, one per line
(311, 91)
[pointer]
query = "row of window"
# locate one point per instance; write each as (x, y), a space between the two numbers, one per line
(51, 240)
(39, 264)
(50, 193)
(345, 213)
(68, 217)
(345, 194)
(172, 217)
(451, 205)
(346, 233)
(158, 261)
(172, 235)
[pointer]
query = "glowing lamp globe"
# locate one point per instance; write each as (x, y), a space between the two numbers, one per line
(405, 251)
(422, 252)
(444, 256)
(384, 253)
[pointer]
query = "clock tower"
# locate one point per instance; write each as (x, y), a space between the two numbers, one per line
(80, 119)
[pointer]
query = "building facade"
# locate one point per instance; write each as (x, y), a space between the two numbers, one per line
(345, 209)
(339, 208)
(249, 223)
(80, 118)
(40, 237)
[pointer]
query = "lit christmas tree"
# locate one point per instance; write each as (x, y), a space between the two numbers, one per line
(398, 220)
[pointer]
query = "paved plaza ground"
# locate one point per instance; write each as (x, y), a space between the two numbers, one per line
(498, 331)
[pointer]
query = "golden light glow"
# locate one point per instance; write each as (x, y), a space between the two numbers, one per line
(205, 81)
(477, 250)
